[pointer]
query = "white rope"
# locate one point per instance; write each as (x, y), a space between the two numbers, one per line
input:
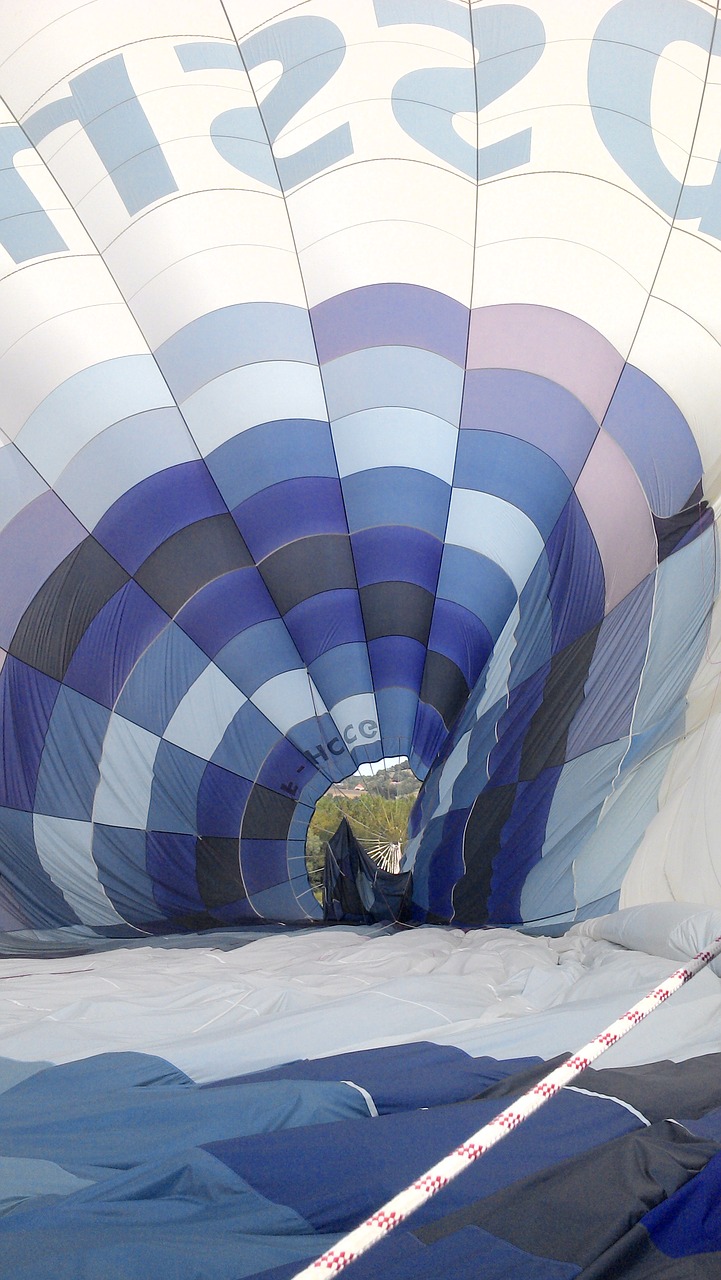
(400, 1206)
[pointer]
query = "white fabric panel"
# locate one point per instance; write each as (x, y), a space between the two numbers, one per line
(497, 529)
(254, 394)
(498, 671)
(28, 303)
(203, 715)
(288, 699)
(64, 847)
(351, 712)
(395, 437)
(128, 754)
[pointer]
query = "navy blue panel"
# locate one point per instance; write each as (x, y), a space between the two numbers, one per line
(293, 509)
(225, 607)
(269, 453)
(264, 864)
(113, 642)
(320, 1180)
(221, 800)
(170, 860)
(429, 734)
(285, 769)
(120, 856)
(461, 636)
(397, 552)
(514, 470)
(324, 622)
(577, 590)
(399, 496)
(69, 769)
(523, 701)
(396, 660)
(446, 866)
(521, 846)
(27, 698)
(689, 1222)
(155, 509)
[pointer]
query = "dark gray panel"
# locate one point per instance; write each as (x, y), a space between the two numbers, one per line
(397, 609)
(444, 686)
(308, 567)
(544, 745)
(267, 815)
(192, 557)
(217, 867)
(56, 620)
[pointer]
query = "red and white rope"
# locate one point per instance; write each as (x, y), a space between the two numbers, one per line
(400, 1206)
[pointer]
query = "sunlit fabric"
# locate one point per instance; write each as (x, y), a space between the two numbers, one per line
(360, 371)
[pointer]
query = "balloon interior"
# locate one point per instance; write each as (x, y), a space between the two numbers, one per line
(360, 373)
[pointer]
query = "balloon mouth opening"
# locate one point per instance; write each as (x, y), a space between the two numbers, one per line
(376, 801)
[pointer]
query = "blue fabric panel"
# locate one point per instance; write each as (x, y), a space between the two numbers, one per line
(637, 402)
(28, 880)
(161, 678)
(280, 903)
(170, 859)
(479, 585)
(396, 716)
(293, 509)
(521, 845)
(404, 1077)
(396, 496)
(320, 1181)
(225, 607)
(246, 742)
(415, 556)
(230, 337)
(269, 453)
(577, 587)
(257, 654)
(342, 672)
(514, 470)
(68, 772)
(120, 856)
(221, 801)
(530, 408)
(284, 769)
(689, 1222)
(264, 864)
(173, 798)
(155, 509)
(396, 660)
(324, 622)
(462, 637)
(391, 314)
(20, 483)
(446, 866)
(377, 377)
(113, 642)
(465, 1255)
(523, 700)
(429, 734)
(27, 698)
(32, 546)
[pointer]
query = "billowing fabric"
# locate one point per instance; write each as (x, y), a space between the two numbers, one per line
(360, 373)
(355, 889)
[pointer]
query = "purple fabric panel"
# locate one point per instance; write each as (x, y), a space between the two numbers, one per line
(31, 548)
(155, 509)
(617, 510)
(325, 621)
(429, 734)
(397, 553)
(551, 343)
(396, 661)
(379, 315)
(654, 434)
(290, 510)
(222, 798)
(530, 408)
(462, 637)
(27, 698)
(113, 642)
(225, 607)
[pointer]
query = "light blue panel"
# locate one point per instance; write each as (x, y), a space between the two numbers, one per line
(342, 672)
(19, 483)
(119, 854)
(26, 231)
(496, 529)
(478, 584)
(534, 632)
(246, 742)
(380, 377)
(278, 903)
(259, 393)
(68, 772)
(160, 679)
(245, 333)
(24, 1178)
(395, 496)
(269, 454)
(174, 794)
(685, 591)
(122, 456)
(445, 14)
(605, 857)
(85, 404)
(398, 438)
(258, 654)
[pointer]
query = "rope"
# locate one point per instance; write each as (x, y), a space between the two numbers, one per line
(400, 1206)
